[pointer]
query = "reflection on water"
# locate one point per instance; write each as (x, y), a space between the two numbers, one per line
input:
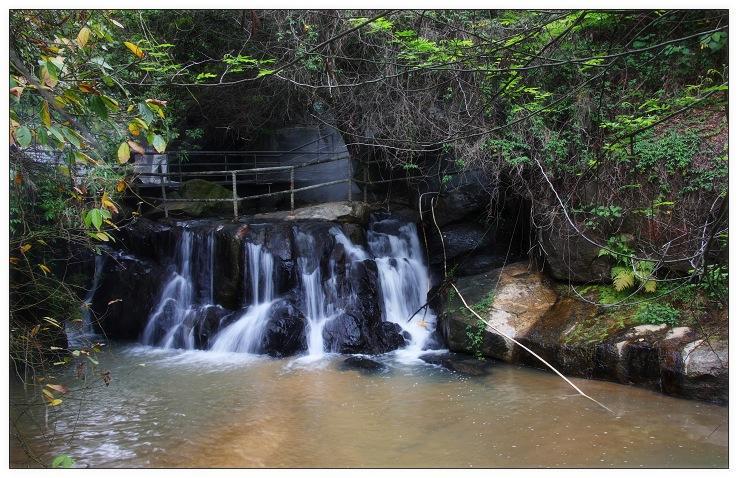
(168, 408)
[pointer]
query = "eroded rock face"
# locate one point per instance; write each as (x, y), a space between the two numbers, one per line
(571, 258)
(522, 297)
(676, 360)
(128, 291)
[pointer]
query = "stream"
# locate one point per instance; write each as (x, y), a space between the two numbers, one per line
(189, 408)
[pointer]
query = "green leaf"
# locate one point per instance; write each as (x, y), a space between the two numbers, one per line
(264, 72)
(62, 461)
(72, 136)
(145, 113)
(98, 106)
(158, 143)
(95, 218)
(23, 136)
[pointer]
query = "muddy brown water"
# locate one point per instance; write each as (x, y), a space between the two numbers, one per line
(168, 408)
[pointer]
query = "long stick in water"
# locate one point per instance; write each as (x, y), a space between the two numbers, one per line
(528, 350)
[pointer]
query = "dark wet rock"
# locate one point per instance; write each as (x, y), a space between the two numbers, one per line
(285, 332)
(128, 291)
(460, 363)
(211, 319)
(459, 239)
(349, 335)
(228, 267)
(466, 199)
(364, 365)
(147, 239)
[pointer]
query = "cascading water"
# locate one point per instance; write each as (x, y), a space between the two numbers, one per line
(171, 325)
(317, 309)
(182, 319)
(404, 281)
(245, 334)
(77, 335)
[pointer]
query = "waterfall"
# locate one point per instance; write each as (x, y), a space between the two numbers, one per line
(78, 334)
(246, 333)
(404, 281)
(317, 309)
(171, 325)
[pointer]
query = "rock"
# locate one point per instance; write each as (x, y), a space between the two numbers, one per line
(128, 292)
(229, 265)
(459, 363)
(148, 239)
(364, 365)
(202, 189)
(211, 319)
(459, 239)
(571, 258)
(464, 199)
(348, 334)
(706, 370)
(522, 298)
(285, 332)
(343, 212)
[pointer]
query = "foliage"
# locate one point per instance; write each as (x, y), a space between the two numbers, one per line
(656, 314)
(628, 271)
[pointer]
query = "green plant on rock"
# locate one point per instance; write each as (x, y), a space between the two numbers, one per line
(475, 337)
(627, 271)
(657, 314)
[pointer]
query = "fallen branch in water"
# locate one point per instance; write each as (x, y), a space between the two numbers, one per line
(528, 350)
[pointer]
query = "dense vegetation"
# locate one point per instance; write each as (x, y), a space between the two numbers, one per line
(611, 124)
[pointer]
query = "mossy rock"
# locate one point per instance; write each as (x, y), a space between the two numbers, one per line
(201, 189)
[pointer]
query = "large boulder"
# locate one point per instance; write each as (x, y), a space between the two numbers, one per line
(285, 332)
(459, 240)
(128, 292)
(511, 300)
(202, 189)
(569, 257)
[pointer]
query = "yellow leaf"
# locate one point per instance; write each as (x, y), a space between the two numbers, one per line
(45, 115)
(25, 248)
(111, 224)
(14, 260)
(17, 91)
(120, 186)
(650, 286)
(55, 402)
(107, 203)
(134, 128)
(124, 153)
(48, 393)
(102, 236)
(58, 388)
(44, 268)
(83, 36)
(136, 147)
(134, 49)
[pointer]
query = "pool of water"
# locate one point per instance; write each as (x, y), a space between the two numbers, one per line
(170, 408)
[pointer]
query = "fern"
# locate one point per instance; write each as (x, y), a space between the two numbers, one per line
(622, 278)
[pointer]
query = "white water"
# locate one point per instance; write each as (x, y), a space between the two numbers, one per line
(79, 334)
(318, 310)
(178, 305)
(404, 282)
(245, 334)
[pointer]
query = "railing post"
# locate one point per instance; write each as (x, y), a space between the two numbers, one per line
(164, 196)
(350, 192)
(235, 196)
(366, 179)
(292, 188)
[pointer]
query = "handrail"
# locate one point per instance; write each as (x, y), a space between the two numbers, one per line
(233, 173)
